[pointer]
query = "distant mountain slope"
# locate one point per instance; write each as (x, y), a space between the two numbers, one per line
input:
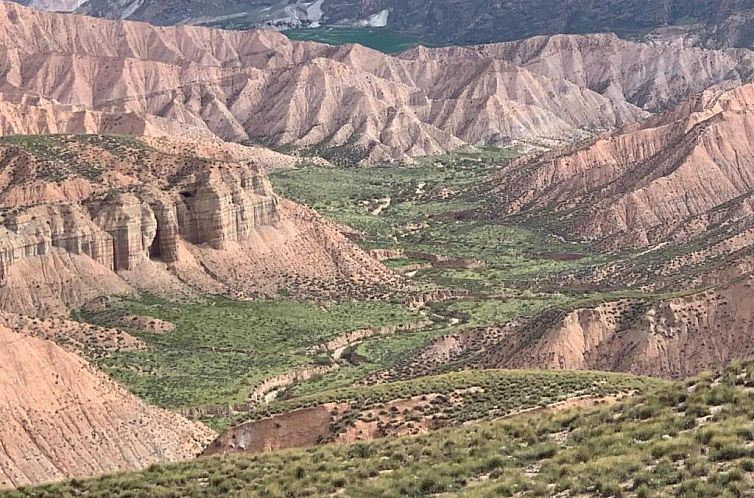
(677, 176)
(715, 22)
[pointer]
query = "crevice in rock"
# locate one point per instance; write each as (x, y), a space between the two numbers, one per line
(116, 267)
(155, 249)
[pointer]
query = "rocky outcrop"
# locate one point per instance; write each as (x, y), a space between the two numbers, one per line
(39, 230)
(294, 429)
(122, 231)
(387, 254)
(62, 418)
(158, 222)
(225, 207)
(422, 299)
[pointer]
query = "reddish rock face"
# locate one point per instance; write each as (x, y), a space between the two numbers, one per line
(294, 429)
(118, 232)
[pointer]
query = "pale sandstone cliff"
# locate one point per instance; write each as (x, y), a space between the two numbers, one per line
(92, 216)
(62, 418)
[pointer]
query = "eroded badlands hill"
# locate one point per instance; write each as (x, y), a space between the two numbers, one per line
(674, 337)
(85, 216)
(678, 189)
(62, 418)
(67, 73)
(678, 176)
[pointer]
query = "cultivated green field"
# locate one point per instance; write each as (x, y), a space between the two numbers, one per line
(690, 439)
(382, 39)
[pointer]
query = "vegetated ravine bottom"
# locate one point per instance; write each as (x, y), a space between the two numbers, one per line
(467, 269)
(495, 271)
(429, 222)
(218, 349)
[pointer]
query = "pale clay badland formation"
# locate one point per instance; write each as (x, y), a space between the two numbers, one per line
(230, 230)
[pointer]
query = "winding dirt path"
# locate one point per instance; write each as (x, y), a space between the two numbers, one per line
(585, 401)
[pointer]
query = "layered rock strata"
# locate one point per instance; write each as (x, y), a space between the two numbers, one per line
(73, 229)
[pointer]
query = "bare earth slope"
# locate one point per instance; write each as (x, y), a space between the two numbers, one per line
(651, 76)
(69, 73)
(62, 418)
(674, 177)
(671, 338)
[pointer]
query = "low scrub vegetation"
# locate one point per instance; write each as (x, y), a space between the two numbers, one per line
(459, 397)
(689, 439)
(220, 349)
